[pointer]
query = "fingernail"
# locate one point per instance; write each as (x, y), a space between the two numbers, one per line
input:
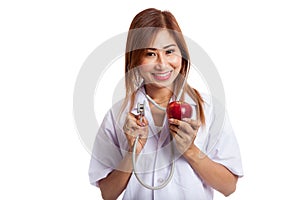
(171, 120)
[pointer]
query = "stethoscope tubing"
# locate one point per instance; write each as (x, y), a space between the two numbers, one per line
(165, 183)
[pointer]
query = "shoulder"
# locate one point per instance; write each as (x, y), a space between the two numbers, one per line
(207, 101)
(117, 110)
(214, 108)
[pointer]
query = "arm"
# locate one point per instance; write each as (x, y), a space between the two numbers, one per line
(214, 174)
(114, 184)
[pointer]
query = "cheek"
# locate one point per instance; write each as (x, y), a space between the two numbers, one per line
(146, 65)
(145, 68)
(144, 71)
(175, 62)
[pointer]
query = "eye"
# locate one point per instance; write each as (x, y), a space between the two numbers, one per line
(170, 51)
(150, 54)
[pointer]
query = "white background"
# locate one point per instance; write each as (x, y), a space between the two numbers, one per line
(255, 46)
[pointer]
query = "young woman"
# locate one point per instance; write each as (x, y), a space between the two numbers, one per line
(171, 156)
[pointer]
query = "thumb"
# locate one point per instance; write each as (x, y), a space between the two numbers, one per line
(141, 121)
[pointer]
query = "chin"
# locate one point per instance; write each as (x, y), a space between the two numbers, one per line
(160, 85)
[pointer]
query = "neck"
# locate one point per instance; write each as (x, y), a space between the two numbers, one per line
(159, 95)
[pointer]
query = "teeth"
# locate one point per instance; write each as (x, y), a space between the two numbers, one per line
(162, 75)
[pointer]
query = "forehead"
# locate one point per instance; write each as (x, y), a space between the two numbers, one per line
(162, 39)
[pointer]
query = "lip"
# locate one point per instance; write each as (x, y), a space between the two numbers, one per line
(162, 76)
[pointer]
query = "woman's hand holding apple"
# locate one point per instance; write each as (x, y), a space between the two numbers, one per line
(182, 127)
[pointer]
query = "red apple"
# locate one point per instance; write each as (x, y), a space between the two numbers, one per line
(179, 110)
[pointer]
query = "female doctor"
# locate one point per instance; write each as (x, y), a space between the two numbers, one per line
(172, 157)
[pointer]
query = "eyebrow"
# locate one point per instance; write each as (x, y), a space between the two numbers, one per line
(165, 47)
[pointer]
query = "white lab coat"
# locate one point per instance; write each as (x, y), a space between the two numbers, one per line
(154, 163)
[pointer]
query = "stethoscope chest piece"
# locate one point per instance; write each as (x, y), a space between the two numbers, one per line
(141, 109)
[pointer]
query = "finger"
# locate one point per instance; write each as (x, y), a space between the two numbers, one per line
(174, 121)
(132, 116)
(143, 134)
(145, 120)
(179, 141)
(133, 122)
(174, 129)
(141, 121)
(174, 135)
(182, 125)
(129, 127)
(129, 120)
(195, 124)
(143, 131)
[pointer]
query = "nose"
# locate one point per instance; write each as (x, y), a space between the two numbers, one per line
(162, 60)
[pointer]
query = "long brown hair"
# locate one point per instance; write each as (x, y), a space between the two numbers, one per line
(142, 31)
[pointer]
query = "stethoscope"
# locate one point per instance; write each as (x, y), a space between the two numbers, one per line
(141, 112)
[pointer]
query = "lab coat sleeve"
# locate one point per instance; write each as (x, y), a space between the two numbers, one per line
(226, 150)
(106, 153)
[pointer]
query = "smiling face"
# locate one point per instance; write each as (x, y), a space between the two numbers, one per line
(161, 62)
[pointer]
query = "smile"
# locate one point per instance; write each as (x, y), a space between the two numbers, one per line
(162, 76)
